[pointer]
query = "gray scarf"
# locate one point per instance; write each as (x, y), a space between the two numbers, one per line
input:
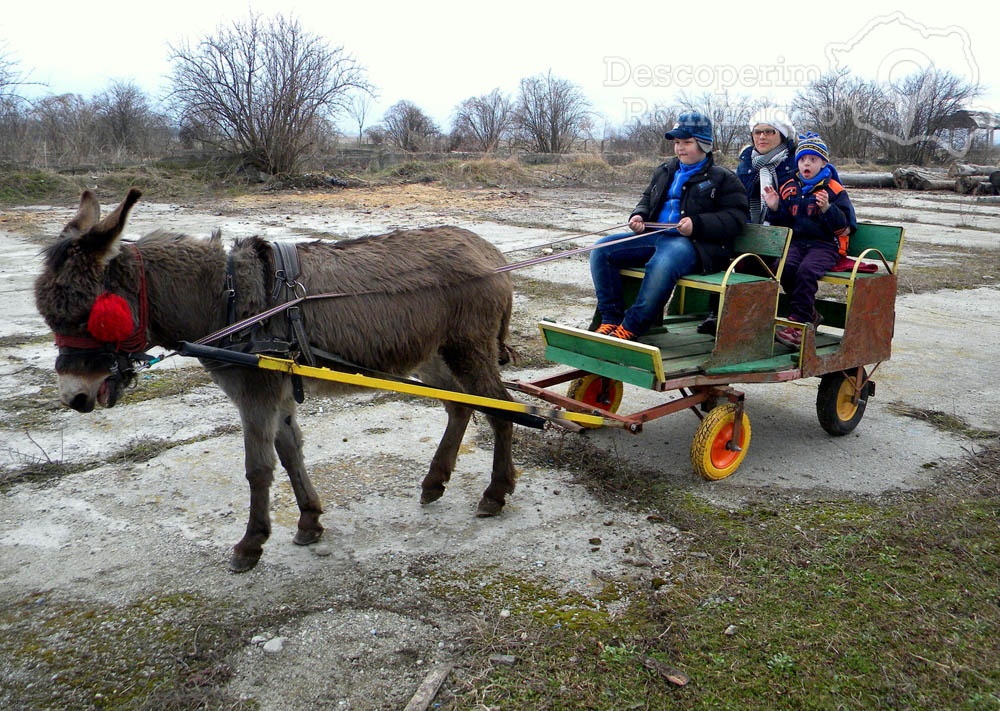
(765, 165)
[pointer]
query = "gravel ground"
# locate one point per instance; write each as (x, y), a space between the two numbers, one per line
(113, 558)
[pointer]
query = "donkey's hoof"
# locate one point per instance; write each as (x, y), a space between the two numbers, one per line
(307, 538)
(489, 507)
(429, 496)
(242, 562)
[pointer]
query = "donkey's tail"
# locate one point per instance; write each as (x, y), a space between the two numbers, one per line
(507, 354)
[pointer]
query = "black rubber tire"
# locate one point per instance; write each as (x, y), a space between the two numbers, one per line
(837, 414)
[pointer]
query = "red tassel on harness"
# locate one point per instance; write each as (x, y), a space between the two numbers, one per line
(110, 319)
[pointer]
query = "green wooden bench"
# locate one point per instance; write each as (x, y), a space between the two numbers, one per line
(746, 307)
(747, 314)
(871, 242)
(757, 245)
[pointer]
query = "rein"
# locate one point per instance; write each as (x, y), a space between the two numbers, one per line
(273, 311)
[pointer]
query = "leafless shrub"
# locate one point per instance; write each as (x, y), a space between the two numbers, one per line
(262, 89)
(407, 127)
(550, 114)
(483, 121)
(126, 123)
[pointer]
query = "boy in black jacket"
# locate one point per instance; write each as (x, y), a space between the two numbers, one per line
(818, 210)
(708, 205)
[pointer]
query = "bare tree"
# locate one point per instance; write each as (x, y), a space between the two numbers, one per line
(64, 127)
(407, 127)
(730, 117)
(126, 123)
(262, 90)
(358, 109)
(902, 121)
(10, 75)
(13, 109)
(484, 119)
(917, 130)
(839, 105)
(551, 113)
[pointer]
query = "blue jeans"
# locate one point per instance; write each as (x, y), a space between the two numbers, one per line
(666, 257)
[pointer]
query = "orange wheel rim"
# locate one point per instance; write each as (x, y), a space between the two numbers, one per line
(592, 393)
(723, 458)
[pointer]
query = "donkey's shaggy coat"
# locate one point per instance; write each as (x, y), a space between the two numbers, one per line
(425, 301)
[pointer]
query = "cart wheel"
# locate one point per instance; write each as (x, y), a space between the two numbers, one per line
(838, 415)
(597, 391)
(710, 457)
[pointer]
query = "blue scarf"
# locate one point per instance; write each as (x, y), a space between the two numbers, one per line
(671, 211)
(808, 185)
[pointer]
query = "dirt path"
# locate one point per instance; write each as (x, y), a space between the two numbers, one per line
(112, 574)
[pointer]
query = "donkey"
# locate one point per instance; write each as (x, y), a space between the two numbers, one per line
(426, 301)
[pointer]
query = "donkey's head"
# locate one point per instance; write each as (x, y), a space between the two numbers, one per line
(92, 365)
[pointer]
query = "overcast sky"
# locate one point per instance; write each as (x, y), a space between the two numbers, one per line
(624, 56)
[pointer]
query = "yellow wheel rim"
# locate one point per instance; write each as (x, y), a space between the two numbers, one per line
(711, 457)
(597, 392)
(846, 407)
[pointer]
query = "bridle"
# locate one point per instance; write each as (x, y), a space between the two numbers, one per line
(128, 355)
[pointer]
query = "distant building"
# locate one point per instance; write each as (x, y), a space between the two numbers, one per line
(975, 124)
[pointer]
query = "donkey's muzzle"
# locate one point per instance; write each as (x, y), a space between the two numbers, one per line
(82, 403)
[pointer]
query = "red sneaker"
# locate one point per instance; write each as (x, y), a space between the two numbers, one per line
(606, 329)
(789, 336)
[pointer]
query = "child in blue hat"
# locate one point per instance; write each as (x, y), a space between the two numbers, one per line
(708, 206)
(818, 210)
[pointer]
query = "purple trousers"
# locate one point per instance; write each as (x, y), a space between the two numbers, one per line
(807, 261)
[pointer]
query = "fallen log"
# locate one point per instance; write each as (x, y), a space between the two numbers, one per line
(965, 169)
(973, 185)
(912, 178)
(867, 180)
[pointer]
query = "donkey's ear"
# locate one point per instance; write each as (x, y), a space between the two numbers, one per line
(102, 238)
(86, 216)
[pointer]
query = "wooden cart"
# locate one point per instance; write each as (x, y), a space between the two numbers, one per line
(700, 370)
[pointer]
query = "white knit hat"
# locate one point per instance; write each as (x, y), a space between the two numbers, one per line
(778, 118)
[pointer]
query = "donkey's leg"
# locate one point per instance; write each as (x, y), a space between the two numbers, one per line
(436, 374)
(504, 476)
(259, 426)
(288, 444)
(478, 373)
(256, 396)
(446, 455)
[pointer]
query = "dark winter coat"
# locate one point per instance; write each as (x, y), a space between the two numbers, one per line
(786, 171)
(715, 201)
(799, 211)
(751, 178)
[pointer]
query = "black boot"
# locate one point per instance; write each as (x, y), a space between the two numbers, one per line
(708, 326)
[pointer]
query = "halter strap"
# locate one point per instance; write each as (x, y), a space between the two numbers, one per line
(136, 343)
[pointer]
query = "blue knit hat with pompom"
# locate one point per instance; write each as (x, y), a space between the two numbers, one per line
(811, 144)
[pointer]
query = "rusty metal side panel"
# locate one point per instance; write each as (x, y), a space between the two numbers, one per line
(868, 331)
(745, 331)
